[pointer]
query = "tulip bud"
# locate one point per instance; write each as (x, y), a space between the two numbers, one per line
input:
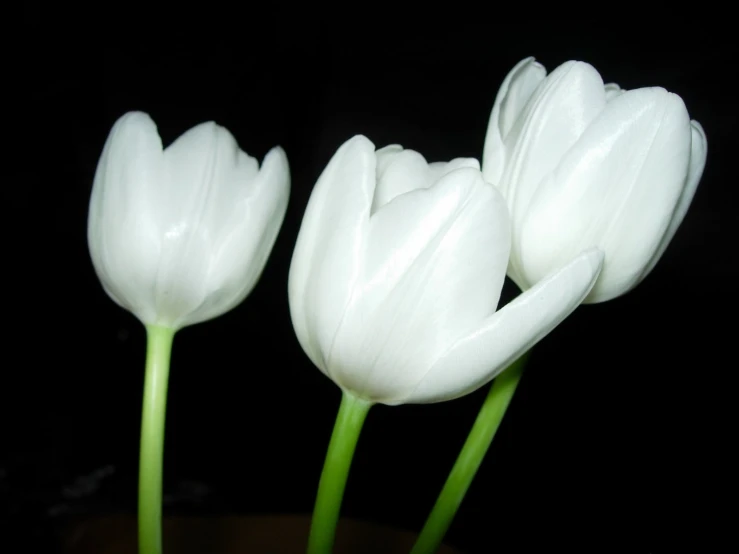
(397, 273)
(181, 235)
(582, 164)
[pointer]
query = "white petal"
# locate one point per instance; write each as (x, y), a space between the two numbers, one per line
(525, 80)
(513, 95)
(613, 91)
(403, 172)
(487, 350)
(435, 266)
(206, 171)
(122, 233)
(205, 174)
(329, 250)
(384, 157)
(437, 170)
(252, 227)
(615, 189)
(699, 151)
(560, 110)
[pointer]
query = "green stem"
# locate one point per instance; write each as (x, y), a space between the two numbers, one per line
(158, 351)
(349, 420)
(469, 459)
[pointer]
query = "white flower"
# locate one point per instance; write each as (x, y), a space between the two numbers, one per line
(584, 164)
(397, 273)
(181, 235)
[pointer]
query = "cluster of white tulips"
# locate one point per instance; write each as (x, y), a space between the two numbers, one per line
(397, 271)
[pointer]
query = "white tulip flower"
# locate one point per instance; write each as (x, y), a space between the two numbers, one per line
(397, 273)
(181, 235)
(582, 164)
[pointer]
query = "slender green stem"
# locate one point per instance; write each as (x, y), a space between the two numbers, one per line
(349, 421)
(469, 459)
(158, 350)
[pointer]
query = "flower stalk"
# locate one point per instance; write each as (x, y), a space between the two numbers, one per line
(349, 422)
(158, 352)
(470, 457)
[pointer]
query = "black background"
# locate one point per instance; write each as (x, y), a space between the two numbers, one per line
(616, 436)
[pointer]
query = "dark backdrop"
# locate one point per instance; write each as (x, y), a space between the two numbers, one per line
(614, 437)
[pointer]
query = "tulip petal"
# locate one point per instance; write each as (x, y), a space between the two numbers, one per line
(486, 351)
(612, 91)
(519, 91)
(329, 251)
(403, 172)
(384, 158)
(400, 171)
(514, 93)
(699, 151)
(204, 170)
(254, 221)
(123, 240)
(559, 111)
(616, 189)
(435, 265)
(437, 170)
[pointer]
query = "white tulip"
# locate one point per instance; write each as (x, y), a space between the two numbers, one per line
(397, 273)
(181, 235)
(582, 164)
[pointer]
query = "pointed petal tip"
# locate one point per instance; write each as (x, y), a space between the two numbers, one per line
(390, 149)
(360, 141)
(700, 132)
(135, 115)
(595, 257)
(278, 154)
(612, 90)
(699, 149)
(206, 132)
(529, 60)
(358, 145)
(136, 119)
(576, 70)
(212, 127)
(522, 67)
(486, 351)
(277, 166)
(584, 268)
(469, 163)
(467, 178)
(698, 127)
